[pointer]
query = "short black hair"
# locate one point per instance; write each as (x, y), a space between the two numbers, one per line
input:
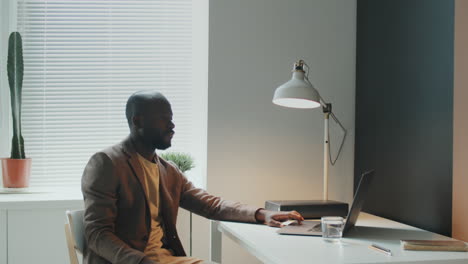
(138, 102)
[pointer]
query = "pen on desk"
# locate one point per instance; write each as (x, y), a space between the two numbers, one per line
(380, 249)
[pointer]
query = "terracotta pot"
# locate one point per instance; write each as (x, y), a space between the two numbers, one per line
(16, 172)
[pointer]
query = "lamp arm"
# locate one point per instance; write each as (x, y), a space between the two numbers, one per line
(345, 132)
(327, 108)
(338, 122)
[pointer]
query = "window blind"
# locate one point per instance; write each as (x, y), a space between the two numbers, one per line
(82, 61)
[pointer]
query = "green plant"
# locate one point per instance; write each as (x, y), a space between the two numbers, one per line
(183, 161)
(15, 70)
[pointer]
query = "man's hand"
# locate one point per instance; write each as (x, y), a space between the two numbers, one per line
(275, 218)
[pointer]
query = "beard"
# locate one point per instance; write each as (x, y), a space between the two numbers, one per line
(163, 141)
(162, 145)
(156, 138)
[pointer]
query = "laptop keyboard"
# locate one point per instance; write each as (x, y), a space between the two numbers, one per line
(316, 228)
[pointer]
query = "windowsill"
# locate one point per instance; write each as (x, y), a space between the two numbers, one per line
(41, 197)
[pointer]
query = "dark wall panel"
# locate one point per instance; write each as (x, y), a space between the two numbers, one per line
(404, 102)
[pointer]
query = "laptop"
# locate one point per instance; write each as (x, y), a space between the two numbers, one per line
(314, 227)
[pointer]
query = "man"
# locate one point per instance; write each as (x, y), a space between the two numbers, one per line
(132, 195)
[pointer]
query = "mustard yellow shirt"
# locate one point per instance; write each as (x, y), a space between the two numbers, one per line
(151, 176)
(154, 249)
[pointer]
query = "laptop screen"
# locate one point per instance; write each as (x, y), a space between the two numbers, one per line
(359, 197)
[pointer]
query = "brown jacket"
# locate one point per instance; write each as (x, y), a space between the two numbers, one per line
(117, 216)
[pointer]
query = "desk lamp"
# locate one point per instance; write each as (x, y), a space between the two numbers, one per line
(300, 93)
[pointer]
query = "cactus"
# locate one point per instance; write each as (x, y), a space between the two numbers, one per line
(15, 70)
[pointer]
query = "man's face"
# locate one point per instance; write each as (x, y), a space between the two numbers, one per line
(157, 128)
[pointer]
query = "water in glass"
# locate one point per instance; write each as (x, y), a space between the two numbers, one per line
(332, 228)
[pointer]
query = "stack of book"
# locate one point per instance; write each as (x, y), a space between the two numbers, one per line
(434, 245)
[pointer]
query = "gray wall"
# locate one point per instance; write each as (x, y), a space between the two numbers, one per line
(404, 106)
(259, 151)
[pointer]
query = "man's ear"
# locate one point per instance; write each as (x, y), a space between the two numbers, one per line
(137, 121)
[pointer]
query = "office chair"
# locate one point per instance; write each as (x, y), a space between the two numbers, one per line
(74, 232)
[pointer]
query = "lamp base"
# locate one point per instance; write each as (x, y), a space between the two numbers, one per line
(310, 208)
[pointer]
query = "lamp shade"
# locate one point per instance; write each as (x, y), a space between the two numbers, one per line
(297, 93)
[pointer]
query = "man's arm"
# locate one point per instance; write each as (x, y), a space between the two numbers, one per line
(99, 185)
(213, 207)
(202, 203)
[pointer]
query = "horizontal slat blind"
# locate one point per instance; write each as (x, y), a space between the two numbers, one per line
(83, 59)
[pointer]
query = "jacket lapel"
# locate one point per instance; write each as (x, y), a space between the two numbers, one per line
(127, 147)
(166, 200)
(169, 211)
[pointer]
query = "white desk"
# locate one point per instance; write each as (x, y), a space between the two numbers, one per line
(269, 247)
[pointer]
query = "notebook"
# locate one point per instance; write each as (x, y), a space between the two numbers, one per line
(314, 228)
(434, 245)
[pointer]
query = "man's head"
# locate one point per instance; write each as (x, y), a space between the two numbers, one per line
(149, 117)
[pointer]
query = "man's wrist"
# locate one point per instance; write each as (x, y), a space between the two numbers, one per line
(260, 215)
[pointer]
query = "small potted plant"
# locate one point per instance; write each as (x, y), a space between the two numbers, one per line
(16, 170)
(183, 161)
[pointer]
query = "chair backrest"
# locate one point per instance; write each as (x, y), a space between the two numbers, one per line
(74, 231)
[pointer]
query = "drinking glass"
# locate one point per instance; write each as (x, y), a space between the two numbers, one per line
(332, 228)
